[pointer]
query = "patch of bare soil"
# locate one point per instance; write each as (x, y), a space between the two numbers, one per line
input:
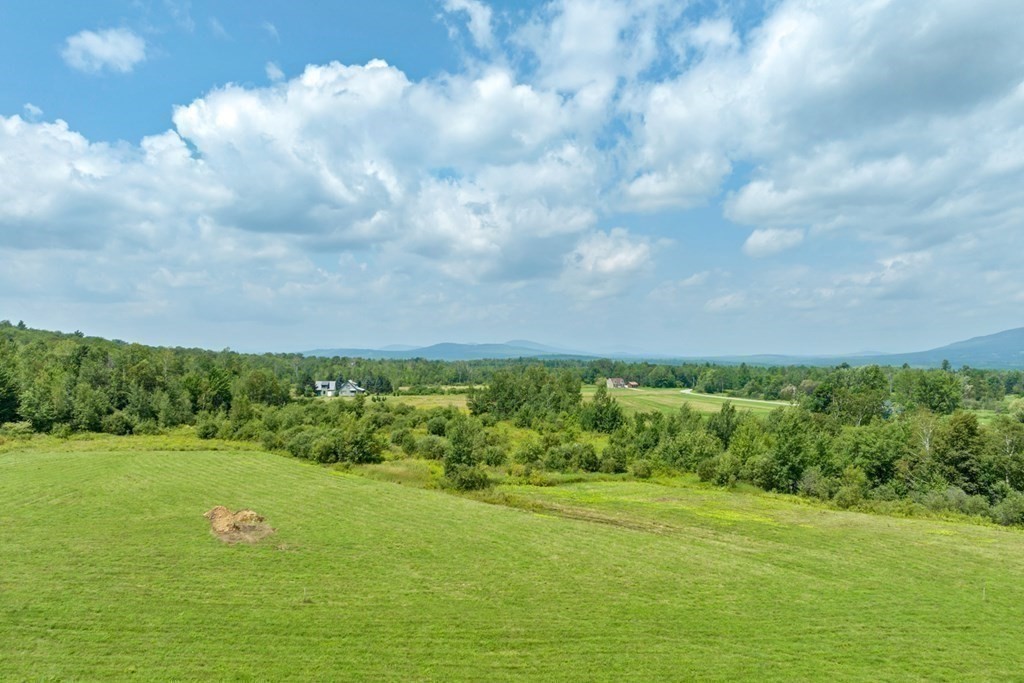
(244, 526)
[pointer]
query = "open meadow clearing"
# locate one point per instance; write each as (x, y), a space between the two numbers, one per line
(648, 399)
(632, 400)
(110, 571)
(432, 400)
(670, 400)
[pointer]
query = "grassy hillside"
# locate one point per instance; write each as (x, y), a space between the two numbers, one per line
(109, 571)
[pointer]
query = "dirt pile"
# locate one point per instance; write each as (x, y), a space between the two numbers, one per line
(244, 526)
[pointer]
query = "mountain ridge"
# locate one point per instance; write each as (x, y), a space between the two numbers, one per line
(453, 351)
(1000, 350)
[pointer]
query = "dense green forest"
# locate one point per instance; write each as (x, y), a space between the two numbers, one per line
(871, 437)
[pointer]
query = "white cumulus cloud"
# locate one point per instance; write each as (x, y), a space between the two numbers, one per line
(771, 241)
(479, 20)
(274, 72)
(604, 263)
(114, 49)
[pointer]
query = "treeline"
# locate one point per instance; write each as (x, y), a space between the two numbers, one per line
(895, 462)
(848, 442)
(70, 381)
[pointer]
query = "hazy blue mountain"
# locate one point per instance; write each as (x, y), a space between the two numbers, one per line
(451, 351)
(1000, 350)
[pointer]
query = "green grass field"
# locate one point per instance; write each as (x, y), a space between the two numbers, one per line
(632, 400)
(432, 400)
(670, 400)
(647, 399)
(109, 571)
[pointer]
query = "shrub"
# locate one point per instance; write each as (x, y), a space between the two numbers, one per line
(401, 408)
(814, 484)
(299, 443)
(494, 455)
(885, 492)
(325, 448)
(466, 478)
(955, 499)
(529, 452)
(519, 473)
(766, 472)
(613, 459)
(556, 459)
(62, 431)
(641, 469)
(17, 430)
(406, 441)
(271, 441)
(852, 487)
(248, 431)
(723, 469)
(437, 426)
(380, 418)
(431, 447)
(583, 456)
(147, 427)
(707, 470)
(399, 435)
(206, 428)
(118, 423)
(1010, 510)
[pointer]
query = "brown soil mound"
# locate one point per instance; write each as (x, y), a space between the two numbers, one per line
(245, 526)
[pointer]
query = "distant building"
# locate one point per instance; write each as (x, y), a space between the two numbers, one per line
(633, 385)
(350, 388)
(325, 388)
(330, 388)
(616, 383)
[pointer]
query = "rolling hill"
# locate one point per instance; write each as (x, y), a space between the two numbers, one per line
(110, 572)
(1001, 350)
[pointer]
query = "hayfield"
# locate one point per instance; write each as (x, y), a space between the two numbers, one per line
(110, 571)
(632, 401)
(670, 400)
(432, 400)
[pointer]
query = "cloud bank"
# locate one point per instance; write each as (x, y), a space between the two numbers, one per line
(537, 168)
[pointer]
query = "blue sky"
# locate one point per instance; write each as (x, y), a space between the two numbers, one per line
(705, 178)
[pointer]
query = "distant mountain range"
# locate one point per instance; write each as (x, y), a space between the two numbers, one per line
(1000, 350)
(518, 348)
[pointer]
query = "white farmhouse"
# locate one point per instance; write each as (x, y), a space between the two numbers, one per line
(325, 388)
(350, 388)
(331, 388)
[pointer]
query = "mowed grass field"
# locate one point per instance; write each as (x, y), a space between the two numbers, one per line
(670, 400)
(632, 401)
(109, 571)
